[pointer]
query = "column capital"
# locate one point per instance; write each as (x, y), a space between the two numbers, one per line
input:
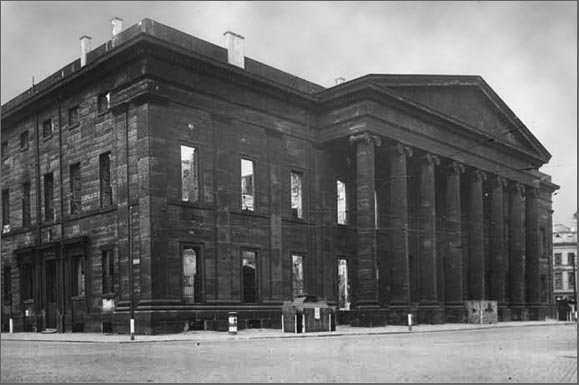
(401, 149)
(498, 181)
(532, 192)
(477, 176)
(429, 159)
(455, 168)
(367, 138)
(517, 188)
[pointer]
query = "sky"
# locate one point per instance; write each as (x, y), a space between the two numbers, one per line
(525, 50)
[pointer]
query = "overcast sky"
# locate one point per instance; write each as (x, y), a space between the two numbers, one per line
(526, 51)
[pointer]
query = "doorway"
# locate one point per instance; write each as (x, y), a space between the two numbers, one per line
(50, 293)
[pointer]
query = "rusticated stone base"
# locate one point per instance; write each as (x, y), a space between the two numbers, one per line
(519, 313)
(455, 314)
(368, 317)
(430, 314)
(504, 314)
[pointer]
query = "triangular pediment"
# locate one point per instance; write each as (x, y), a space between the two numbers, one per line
(468, 100)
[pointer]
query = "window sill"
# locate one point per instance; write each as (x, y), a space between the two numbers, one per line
(45, 138)
(72, 126)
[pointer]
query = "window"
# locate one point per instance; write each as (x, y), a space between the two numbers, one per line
(77, 276)
(26, 204)
(249, 268)
(296, 195)
(191, 274)
(4, 150)
(108, 271)
(106, 191)
(48, 197)
(247, 185)
(571, 259)
(297, 275)
(571, 280)
(104, 102)
(343, 285)
(5, 207)
(342, 203)
(7, 285)
(75, 193)
(189, 174)
(73, 116)
(26, 281)
(47, 128)
(558, 281)
(557, 259)
(24, 140)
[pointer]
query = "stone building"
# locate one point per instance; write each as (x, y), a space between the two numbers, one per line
(565, 268)
(172, 180)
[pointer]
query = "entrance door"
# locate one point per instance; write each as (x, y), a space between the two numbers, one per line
(50, 293)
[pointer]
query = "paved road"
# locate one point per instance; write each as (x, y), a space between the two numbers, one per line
(526, 354)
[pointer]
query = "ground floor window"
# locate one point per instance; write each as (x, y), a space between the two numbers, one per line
(78, 276)
(297, 275)
(249, 271)
(343, 285)
(27, 281)
(191, 274)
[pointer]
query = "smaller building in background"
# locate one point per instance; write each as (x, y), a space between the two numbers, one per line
(565, 269)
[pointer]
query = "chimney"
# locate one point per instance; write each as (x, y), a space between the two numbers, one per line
(340, 80)
(117, 26)
(234, 45)
(84, 49)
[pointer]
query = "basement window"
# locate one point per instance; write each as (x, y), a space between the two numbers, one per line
(247, 185)
(342, 203)
(189, 174)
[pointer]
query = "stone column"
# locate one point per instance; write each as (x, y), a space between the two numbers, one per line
(367, 295)
(498, 250)
(476, 266)
(533, 281)
(516, 246)
(453, 246)
(427, 230)
(399, 273)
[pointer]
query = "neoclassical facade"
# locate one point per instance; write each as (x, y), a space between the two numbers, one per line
(167, 180)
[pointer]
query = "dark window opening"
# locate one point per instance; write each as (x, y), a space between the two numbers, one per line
(5, 207)
(78, 276)
(73, 116)
(104, 102)
(26, 281)
(249, 268)
(26, 204)
(108, 271)
(7, 285)
(191, 274)
(571, 259)
(75, 189)
(47, 128)
(24, 140)
(106, 190)
(48, 197)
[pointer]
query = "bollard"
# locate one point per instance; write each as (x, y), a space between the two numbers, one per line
(410, 321)
(132, 329)
(232, 318)
(11, 326)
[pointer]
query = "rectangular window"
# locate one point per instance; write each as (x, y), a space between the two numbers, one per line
(73, 116)
(24, 140)
(7, 285)
(558, 281)
(48, 197)
(189, 174)
(4, 150)
(191, 274)
(571, 259)
(249, 271)
(5, 207)
(47, 128)
(571, 280)
(104, 102)
(106, 191)
(26, 204)
(247, 184)
(78, 276)
(557, 259)
(297, 275)
(342, 203)
(296, 195)
(75, 192)
(108, 271)
(343, 285)
(26, 281)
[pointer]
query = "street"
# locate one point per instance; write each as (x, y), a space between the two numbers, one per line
(521, 354)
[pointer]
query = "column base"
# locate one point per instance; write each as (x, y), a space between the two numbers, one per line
(519, 313)
(360, 317)
(430, 313)
(455, 313)
(398, 314)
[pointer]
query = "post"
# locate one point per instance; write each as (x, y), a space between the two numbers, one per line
(11, 326)
(409, 321)
(232, 323)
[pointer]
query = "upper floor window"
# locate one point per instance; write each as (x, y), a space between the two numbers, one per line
(73, 116)
(558, 281)
(7, 283)
(571, 259)
(571, 280)
(47, 128)
(48, 197)
(104, 102)
(342, 203)
(5, 207)
(296, 195)
(26, 204)
(24, 140)
(75, 192)
(189, 174)
(4, 150)
(557, 259)
(106, 191)
(247, 184)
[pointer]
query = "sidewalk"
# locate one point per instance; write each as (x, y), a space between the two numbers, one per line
(248, 334)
